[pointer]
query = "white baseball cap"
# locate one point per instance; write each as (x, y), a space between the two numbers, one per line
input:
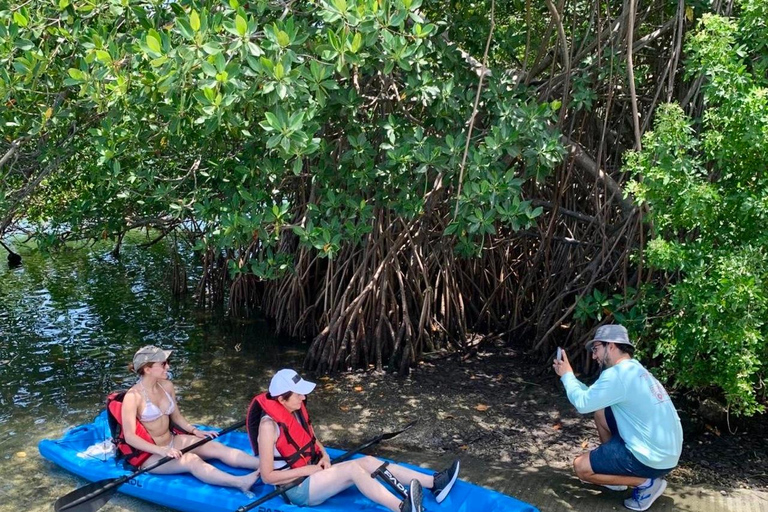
(288, 380)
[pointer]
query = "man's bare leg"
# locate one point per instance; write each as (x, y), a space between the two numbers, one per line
(602, 426)
(583, 469)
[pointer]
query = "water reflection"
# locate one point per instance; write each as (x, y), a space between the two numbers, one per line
(69, 325)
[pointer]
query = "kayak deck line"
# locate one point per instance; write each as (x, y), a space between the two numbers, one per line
(185, 493)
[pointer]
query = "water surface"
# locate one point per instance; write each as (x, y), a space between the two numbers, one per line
(70, 323)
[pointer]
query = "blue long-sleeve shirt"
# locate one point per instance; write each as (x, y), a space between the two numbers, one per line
(645, 416)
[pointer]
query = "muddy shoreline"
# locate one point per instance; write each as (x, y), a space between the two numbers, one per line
(503, 407)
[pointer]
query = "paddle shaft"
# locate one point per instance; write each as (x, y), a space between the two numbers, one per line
(341, 458)
(112, 484)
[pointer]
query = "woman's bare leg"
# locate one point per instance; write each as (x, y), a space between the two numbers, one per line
(403, 474)
(330, 482)
(215, 450)
(192, 463)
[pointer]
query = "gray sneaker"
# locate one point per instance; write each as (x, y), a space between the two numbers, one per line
(644, 496)
(444, 481)
(413, 502)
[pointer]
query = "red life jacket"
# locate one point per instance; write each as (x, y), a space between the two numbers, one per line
(296, 443)
(132, 456)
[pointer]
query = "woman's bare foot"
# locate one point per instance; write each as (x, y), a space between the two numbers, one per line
(248, 481)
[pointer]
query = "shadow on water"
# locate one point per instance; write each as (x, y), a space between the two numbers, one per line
(70, 323)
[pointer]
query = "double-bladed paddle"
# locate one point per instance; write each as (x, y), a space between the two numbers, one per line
(93, 496)
(341, 458)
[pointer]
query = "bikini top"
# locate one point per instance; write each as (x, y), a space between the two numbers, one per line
(151, 411)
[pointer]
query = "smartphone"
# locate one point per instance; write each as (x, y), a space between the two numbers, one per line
(559, 355)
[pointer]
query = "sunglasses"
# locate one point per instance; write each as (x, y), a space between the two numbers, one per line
(596, 346)
(164, 364)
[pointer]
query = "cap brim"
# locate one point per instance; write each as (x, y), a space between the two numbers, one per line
(304, 387)
(167, 354)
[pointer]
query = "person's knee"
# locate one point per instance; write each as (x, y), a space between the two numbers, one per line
(581, 466)
(367, 463)
(191, 461)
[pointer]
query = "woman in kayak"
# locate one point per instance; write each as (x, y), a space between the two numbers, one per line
(281, 433)
(149, 410)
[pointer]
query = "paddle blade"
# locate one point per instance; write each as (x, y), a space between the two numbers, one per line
(390, 435)
(87, 499)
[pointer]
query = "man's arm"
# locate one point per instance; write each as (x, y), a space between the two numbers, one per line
(607, 391)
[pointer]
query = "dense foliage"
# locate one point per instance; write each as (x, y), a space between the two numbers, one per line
(278, 141)
(708, 194)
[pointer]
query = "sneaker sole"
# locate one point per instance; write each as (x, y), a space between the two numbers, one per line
(416, 496)
(606, 486)
(444, 493)
(652, 499)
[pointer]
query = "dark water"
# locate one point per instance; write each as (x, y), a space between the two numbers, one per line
(70, 323)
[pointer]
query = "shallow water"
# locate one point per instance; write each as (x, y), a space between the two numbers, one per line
(70, 323)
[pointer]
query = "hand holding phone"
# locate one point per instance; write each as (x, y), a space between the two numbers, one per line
(559, 355)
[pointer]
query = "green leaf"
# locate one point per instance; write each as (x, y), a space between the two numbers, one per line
(272, 120)
(357, 42)
(185, 29)
(24, 44)
(286, 144)
(279, 71)
(76, 74)
(20, 19)
(194, 20)
(212, 48)
(254, 49)
(283, 39)
(241, 24)
(208, 69)
(153, 41)
(103, 56)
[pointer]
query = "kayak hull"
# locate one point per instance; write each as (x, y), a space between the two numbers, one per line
(187, 494)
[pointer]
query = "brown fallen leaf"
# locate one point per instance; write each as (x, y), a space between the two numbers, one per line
(344, 408)
(584, 444)
(482, 407)
(358, 388)
(328, 387)
(557, 426)
(463, 447)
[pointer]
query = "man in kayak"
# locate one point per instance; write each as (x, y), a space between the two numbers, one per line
(640, 433)
(149, 408)
(281, 433)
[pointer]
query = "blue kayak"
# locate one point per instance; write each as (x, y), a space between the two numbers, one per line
(80, 451)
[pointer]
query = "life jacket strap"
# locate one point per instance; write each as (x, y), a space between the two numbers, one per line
(308, 450)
